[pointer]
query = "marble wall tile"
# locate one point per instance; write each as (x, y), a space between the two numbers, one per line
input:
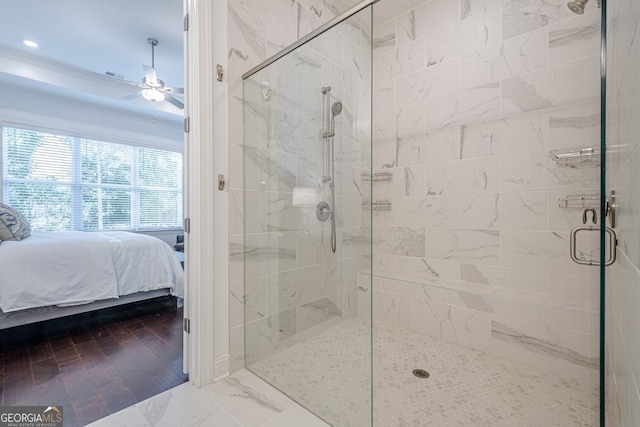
(309, 102)
(269, 334)
(428, 269)
(562, 218)
(504, 211)
(522, 16)
(281, 13)
(314, 247)
(290, 289)
(427, 211)
(317, 316)
(253, 204)
(305, 64)
(307, 21)
(514, 307)
(262, 254)
(411, 289)
(521, 133)
(281, 214)
(577, 321)
(400, 241)
(247, 32)
(566, 83)
(475, 32)
(267, 170)
(384, 37)
(472, 246)
(575, 125)
(512, 57)
(526, 280)
(468, 176)
(391, 308)
(435, 81)
(433, 147)
(355, 241)
(540, 171)
(404, 121)
(425, 19)
(408, 58)
(356, 60)
(561, 351)
(427, 317)
(406, 181)
(579, 292)
(575, 38)
(472, 105)
(542, 251)
(473, 7)
(247, 300)
(236, 349)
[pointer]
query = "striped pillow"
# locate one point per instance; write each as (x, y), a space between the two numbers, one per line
(13, 225)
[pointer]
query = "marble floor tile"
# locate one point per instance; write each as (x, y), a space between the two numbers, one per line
(296, 416)
(252, 401)
(129, 417)
(466, 387)
(244, 401)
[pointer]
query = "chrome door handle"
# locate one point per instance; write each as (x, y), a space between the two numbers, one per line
(613, 245)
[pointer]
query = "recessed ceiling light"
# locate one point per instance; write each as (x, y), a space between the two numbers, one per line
(30, 43)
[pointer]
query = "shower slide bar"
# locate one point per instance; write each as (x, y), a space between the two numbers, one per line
(321, 29)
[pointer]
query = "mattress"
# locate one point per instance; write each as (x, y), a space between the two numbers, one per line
(71, 267)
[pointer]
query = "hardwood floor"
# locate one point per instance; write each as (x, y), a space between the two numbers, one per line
(94, 364)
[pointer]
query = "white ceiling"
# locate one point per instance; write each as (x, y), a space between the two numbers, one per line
(93, 36)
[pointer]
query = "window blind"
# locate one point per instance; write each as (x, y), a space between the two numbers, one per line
(68, 183)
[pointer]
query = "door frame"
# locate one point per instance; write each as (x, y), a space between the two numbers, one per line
(206, 157)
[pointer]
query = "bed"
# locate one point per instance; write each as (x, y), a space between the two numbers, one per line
(53, 274)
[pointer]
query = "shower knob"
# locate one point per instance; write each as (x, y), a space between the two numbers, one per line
(323, 212)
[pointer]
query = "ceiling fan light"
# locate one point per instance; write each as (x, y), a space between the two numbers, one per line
(153, 95)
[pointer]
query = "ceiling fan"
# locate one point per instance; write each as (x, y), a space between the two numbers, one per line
(153, 89)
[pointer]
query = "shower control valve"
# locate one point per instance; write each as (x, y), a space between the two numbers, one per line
(323, 212)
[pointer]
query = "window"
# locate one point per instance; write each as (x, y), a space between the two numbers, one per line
(69, 183)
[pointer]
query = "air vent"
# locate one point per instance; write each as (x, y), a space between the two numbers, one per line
(114, 75)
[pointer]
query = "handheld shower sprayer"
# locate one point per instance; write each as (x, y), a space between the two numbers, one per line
(330, 112)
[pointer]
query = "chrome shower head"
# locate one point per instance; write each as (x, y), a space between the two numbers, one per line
(577, 6)
(336, 108)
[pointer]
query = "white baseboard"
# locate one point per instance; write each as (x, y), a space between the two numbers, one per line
(221, 368)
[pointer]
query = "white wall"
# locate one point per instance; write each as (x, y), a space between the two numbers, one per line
(34, 108)
(623, 176)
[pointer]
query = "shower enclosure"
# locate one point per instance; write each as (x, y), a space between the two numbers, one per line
(423, 215)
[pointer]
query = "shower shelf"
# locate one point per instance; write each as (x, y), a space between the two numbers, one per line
(376, 206)
(378, 176)
(585, 157)
(580, 201)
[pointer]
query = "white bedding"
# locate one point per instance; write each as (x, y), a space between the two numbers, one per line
(72, 267)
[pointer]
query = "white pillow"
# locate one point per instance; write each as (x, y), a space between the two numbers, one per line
(13, 225)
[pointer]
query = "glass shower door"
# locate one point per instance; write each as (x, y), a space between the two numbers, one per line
(307, 222)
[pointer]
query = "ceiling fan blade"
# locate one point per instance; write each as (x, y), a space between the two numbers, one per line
(174, 90)
(132, 96)
(150, 75)
(174, 101)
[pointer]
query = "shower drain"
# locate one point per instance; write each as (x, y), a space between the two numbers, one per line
(420, 373)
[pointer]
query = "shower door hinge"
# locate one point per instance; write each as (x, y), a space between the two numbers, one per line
(187, 225)
(187, 325)
(186, 22)
(219, 72)
(187, 124)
